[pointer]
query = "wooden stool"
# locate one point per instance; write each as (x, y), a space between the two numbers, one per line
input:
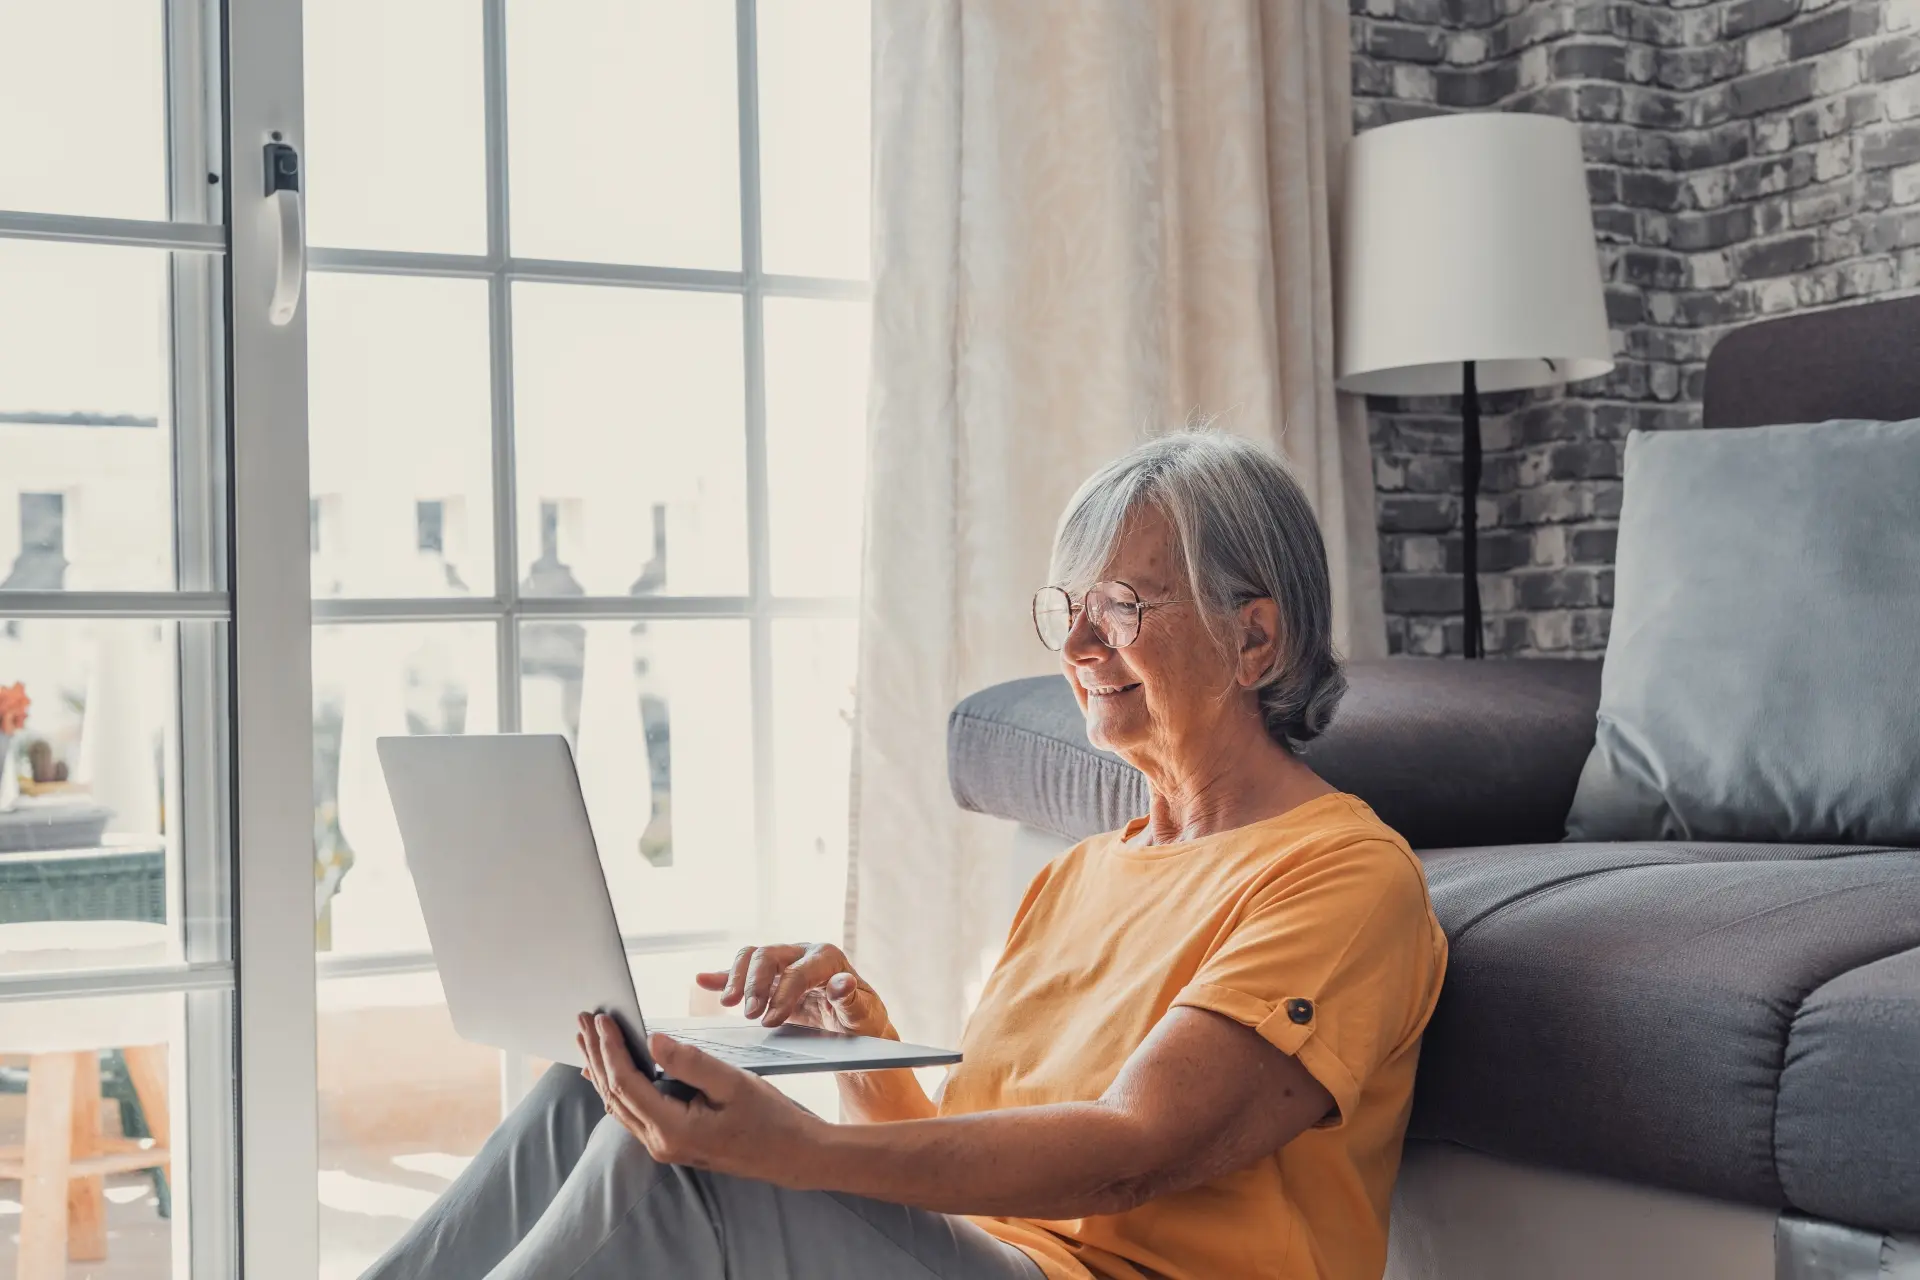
(63, 1163)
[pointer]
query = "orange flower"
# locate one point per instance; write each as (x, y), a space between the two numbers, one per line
(13, 708)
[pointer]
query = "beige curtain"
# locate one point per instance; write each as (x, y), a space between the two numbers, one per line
(1094, 220)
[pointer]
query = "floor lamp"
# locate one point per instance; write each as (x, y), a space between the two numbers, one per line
(1467, 264)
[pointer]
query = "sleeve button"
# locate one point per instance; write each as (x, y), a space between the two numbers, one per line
(1300, 1011)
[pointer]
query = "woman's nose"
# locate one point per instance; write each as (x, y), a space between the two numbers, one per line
(1083, 643)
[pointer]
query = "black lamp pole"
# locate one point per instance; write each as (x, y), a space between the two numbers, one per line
(1469, 509)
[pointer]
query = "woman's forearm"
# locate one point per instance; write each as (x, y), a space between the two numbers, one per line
(875, 1097)
(1067, 1160)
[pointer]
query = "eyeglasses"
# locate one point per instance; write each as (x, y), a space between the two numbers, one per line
(1113, 610)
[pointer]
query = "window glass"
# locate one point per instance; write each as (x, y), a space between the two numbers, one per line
(86, 431)
(83, 118)
(814, 136)
(399, 424)
(624, 131)
(629, 408)
(661, 724)
(396, 125)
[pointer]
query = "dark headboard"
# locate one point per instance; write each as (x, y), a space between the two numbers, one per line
(1850, 362)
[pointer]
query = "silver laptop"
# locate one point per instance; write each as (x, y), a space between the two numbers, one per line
(521, 923)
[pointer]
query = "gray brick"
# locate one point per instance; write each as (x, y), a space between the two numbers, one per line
(1592, 546)
(1693, 68)
(1780, 257)
(1713, 229)
(1890, 146)
(1504, 549)
(1654, 108)
(1830, 29)
(1893, 58)
(1750, 15)
(1597, 459)
(1770, 90)
(1647, 190)
(1422, 513)
(1589, 628)
(1396, 42)
(1883, 232)
(1420, 592)
(1712, 147)
(1478, 88)
(1755, 178)
(1818, 205)
(1653, 269)
(1589, 60)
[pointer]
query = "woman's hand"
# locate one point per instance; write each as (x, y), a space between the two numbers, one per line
(814, 986)
(739, 1124)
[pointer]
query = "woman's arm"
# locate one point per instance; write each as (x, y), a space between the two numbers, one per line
(1201, 1096)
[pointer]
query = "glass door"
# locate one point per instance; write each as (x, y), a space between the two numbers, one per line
(117, 957)
(156, 897)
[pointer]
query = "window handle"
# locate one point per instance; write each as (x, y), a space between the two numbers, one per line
(283, 189)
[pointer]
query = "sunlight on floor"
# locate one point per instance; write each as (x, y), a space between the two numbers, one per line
(350, 1193)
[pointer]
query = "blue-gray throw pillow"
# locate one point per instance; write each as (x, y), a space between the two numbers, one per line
(1762, 678)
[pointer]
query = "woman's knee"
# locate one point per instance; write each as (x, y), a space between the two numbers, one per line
(563, 1085)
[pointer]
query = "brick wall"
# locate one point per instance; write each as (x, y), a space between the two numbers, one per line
(1746, 158)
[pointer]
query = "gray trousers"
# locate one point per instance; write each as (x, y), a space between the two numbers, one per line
(562, 1192)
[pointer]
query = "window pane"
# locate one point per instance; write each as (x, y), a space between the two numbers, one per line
(404, 1106)
(816, 443)
(813, 669)
(630, 423)
(370, 681)
(401, 436)
(89, 826)
(83, 108)
(623, 119)
(660, 720)
(814, 136)
(396, 125)
(86, 453)
(124, 1057)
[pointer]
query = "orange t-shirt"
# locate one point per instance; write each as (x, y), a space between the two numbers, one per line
(1325, 904)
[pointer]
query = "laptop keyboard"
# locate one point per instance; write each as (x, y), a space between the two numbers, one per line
(744, 1055)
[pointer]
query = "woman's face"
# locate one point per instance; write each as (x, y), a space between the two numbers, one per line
(1170, 689)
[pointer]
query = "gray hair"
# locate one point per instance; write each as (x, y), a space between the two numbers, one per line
(1245, 531)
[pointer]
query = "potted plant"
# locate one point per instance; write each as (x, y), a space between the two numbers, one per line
(13, 718)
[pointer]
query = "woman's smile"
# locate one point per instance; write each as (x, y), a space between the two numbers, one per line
(1109, 690)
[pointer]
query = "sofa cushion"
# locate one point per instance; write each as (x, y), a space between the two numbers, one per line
(1766, 627)
(1737, 1020)
(1847, 1128)
(1446, 752)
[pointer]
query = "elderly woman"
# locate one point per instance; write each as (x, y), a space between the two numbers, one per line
(1195, 1058)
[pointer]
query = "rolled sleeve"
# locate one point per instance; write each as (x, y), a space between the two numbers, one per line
(1336, 967)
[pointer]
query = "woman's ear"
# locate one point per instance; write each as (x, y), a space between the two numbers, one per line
(1259, 639)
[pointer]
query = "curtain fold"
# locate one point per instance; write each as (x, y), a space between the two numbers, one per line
(1093, 220)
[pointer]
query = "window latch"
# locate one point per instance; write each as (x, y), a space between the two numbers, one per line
(283, 190)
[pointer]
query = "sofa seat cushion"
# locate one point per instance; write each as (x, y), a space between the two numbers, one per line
(1738, 1020)
(1446, 752)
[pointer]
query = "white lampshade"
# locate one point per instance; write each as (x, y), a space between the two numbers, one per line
(1468, 237)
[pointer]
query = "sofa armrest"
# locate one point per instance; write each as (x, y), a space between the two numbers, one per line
(1447, 752)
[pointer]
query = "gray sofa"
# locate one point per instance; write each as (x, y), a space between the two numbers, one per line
(1725, 1024)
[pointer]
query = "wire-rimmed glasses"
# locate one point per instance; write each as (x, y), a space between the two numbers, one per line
(1113, 609)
